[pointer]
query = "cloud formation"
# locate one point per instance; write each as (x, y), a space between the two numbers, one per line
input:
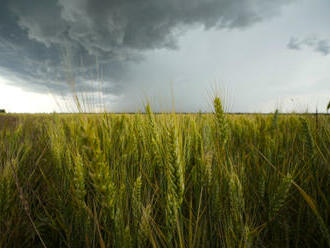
(319, 45)
(43, 41)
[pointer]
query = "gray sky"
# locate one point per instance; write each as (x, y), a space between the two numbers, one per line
(259, 54)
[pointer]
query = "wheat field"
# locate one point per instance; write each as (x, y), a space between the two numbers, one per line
(165, 180)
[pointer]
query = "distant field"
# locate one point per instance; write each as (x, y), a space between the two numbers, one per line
(165, 180)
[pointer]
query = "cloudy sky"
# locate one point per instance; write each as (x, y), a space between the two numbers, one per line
(258, 54)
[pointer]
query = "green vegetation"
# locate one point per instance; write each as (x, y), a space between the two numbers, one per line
(167, 180)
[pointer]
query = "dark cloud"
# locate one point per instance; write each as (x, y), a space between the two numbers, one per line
(319, 45)
(46, 41)
(323, 46)
(294, 44)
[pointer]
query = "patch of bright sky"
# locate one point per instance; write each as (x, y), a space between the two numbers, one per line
(14, 99)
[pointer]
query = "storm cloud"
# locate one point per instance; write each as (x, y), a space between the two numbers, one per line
(318, 45)
(48, 41)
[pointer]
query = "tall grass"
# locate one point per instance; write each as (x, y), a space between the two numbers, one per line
(165, 180)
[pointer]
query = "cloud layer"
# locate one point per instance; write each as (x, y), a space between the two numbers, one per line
(318, 45)
(46, 42)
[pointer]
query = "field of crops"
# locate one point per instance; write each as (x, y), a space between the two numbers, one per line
(165, 180)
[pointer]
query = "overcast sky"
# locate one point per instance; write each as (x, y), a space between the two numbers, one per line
(258, 54)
